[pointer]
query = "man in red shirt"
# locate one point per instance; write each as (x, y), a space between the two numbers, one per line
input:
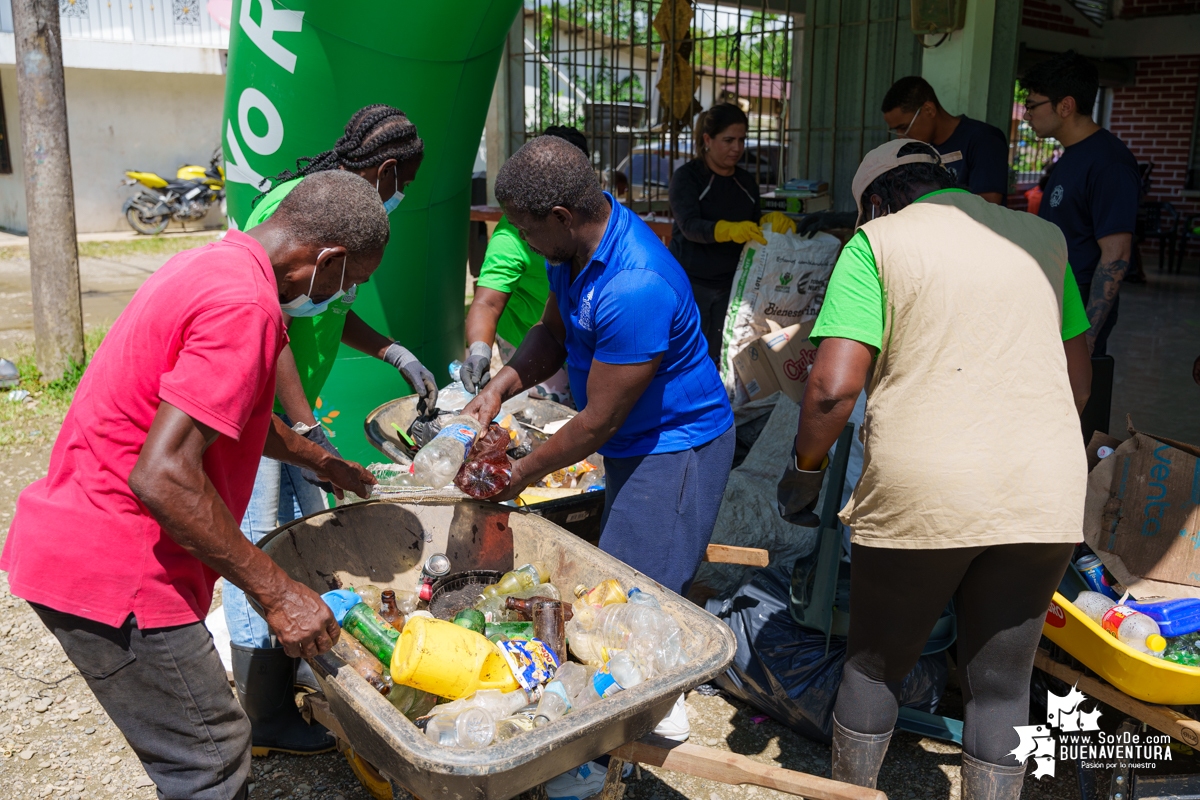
(118, 548)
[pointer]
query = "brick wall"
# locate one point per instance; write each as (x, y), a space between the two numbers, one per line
(1050, 16)
(1131, 9)
(1154, 118)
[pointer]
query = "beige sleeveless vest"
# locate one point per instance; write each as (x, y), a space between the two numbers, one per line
(971, 434)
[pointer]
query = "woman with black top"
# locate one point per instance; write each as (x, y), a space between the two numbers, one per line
(716, 210)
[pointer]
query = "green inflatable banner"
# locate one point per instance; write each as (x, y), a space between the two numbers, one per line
(298, 70)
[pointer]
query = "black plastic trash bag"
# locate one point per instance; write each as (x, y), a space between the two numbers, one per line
(782, 669)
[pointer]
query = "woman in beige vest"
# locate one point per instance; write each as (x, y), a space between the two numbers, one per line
(962, 320)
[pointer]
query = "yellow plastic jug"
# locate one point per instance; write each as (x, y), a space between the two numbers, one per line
(448, 660)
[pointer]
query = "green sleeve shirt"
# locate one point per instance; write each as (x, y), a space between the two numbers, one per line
(314, 340)
(854, 306)
(512, 267)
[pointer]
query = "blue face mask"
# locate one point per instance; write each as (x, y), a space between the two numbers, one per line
(303, 306)
(392, 202)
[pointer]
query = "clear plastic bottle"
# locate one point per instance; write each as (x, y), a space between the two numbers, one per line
(509, 727)
(523, 577)
(553, 705)
(454, 396)
(650, 635)
(497, 703)
(624, 669)
(1134, 629)
(439, 461)
(1093, 605)
(577, 679)
(472, 729)
(362, 661)
(639, 598)
(369, 593)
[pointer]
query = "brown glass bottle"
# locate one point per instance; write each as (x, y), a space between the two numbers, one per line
(524, 607)
(389, 611)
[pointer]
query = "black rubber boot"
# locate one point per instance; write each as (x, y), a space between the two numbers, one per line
(265, 681)
(858, 756)
(305, 679)
(984, 781)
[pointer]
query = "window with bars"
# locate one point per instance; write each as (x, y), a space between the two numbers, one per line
(634, 74)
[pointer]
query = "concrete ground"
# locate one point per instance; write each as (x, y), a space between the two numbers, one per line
(56, 742)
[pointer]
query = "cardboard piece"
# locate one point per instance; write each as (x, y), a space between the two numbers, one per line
(777, 361)
(1142, 515)
(754, 370)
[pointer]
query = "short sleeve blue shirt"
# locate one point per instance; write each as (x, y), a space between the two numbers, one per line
(631, 303)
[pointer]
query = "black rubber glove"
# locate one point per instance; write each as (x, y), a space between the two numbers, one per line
(316, 435)
(414, 372)
(812, 224)
(797, 492)
(477, 369)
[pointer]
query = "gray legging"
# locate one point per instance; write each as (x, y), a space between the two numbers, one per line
(1000, 593)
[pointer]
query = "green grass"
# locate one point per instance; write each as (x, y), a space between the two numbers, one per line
(142, 246)
(37, 419)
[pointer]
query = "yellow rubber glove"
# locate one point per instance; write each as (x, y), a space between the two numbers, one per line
(779, 222)
(740, 232)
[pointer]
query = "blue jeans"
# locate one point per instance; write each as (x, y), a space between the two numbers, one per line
(280, 496)
(641, 526)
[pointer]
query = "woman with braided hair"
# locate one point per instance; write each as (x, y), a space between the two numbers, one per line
(381, 145)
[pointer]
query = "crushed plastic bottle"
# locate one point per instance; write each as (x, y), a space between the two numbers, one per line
(649, 634)
(439, 461)
(488, 469)
(369, 594)
(454, 396)
(471, 729)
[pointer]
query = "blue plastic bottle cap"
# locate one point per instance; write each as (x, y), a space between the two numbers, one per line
(1104, 452)
(340, 601)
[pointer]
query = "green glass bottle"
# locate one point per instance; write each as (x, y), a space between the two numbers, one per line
(470, 619)
(364, 623)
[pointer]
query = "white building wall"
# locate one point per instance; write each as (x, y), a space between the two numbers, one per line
(118, 120)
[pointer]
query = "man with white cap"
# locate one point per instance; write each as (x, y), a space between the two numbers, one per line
(963, 321)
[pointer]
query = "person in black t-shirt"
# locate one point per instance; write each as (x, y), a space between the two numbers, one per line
(974, 151)
(716, 210)
(1092, 194)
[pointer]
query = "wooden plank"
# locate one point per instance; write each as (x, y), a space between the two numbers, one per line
(1167, 720)
(732, 768)
(728, 554)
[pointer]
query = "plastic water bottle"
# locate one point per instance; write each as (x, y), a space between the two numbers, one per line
(577, 679)
(553, 705)
(472, 729)
(650, 635)
(523, 577)
(639, 598)
(454, 396)
(439, 461)
(624, 669)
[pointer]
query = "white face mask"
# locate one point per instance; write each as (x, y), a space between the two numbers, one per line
(303, 306)
(392, 202)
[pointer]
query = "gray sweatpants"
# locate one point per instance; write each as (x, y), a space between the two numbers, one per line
(166, 690)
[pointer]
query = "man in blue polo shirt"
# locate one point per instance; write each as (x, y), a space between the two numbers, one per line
(622, 316)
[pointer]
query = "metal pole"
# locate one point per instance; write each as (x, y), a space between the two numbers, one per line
(49, 196)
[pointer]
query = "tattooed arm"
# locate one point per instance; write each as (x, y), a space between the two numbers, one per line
(1114, 262)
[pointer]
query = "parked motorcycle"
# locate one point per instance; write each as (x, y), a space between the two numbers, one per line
(189, 197)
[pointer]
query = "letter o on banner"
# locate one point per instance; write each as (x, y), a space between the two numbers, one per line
(270, 141)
